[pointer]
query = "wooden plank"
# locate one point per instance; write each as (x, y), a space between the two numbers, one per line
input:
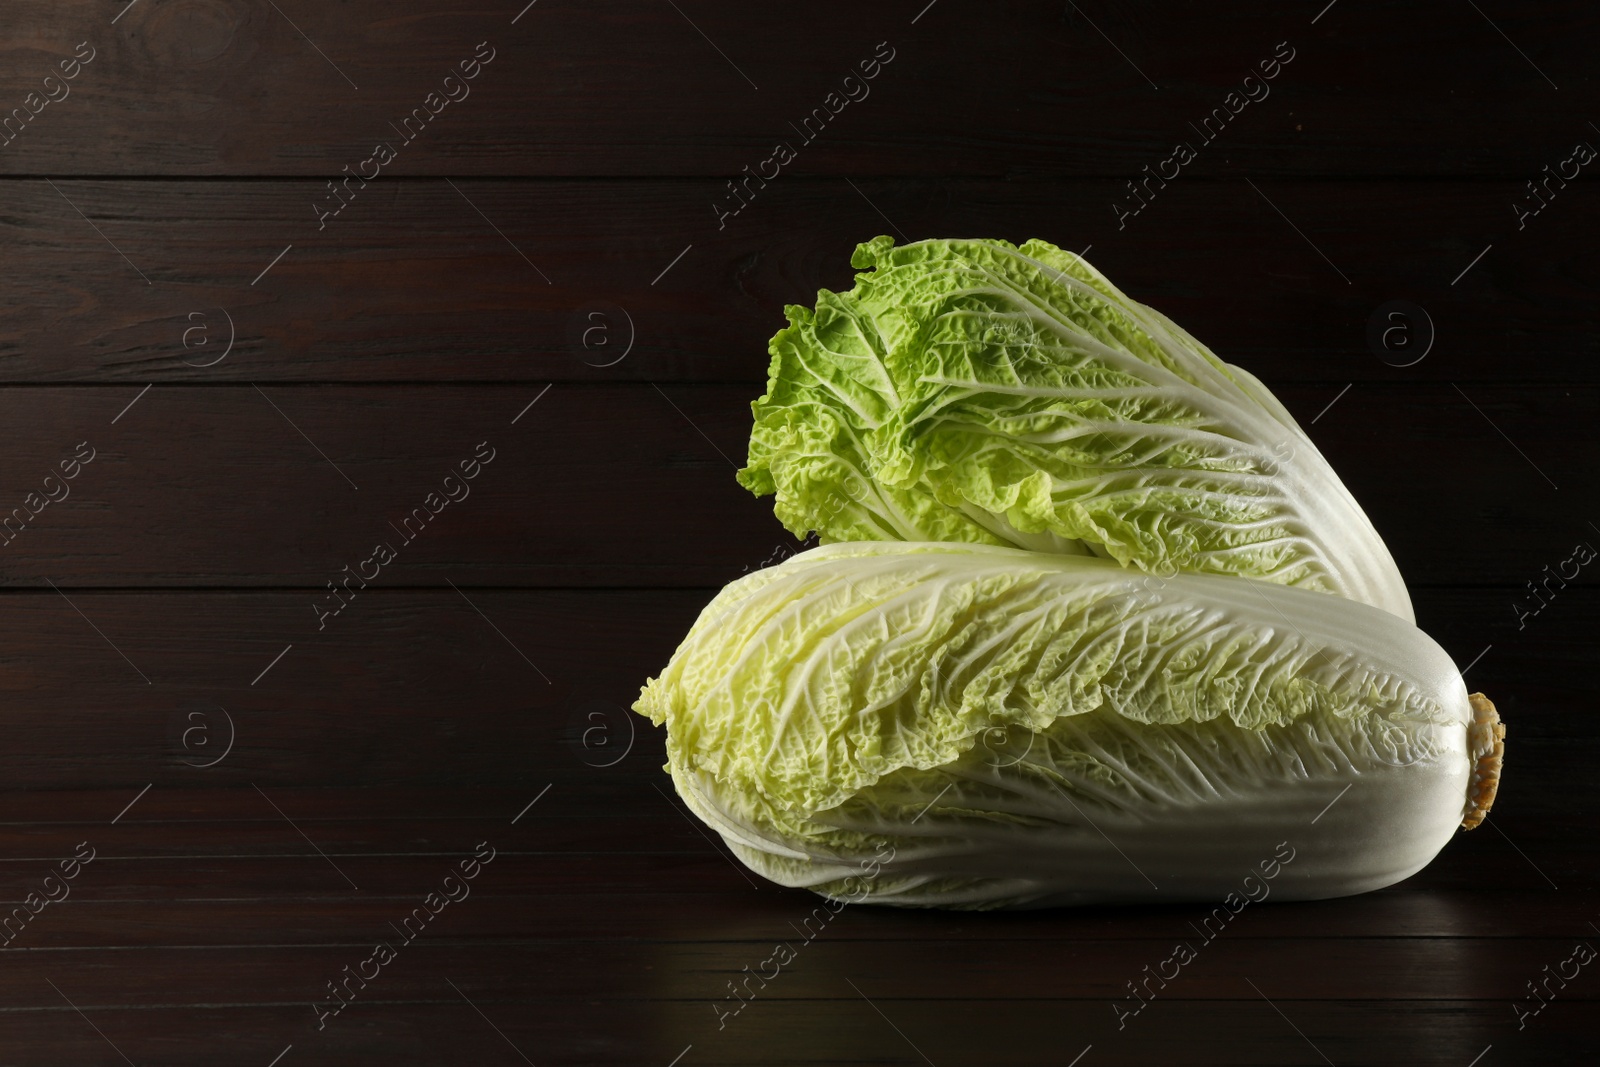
(634, 281)
(956, 1031)
(505, 968)
(624, 87)
(630, 485)
(416, 688)
(578, 914)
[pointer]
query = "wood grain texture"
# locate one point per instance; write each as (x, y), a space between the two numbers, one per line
(574, 1029)
(267, 794)
(500, 280)
(517, 908)
(529, 970)
(628, 87)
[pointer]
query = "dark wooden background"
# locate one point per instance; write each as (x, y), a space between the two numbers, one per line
(161, 616)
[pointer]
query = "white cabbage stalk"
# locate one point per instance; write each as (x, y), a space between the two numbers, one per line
(971, 390)
(971, 726)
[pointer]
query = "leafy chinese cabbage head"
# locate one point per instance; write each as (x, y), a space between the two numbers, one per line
(972, 390)
(973, 726)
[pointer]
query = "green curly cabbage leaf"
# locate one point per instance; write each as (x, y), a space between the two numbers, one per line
(975, 391)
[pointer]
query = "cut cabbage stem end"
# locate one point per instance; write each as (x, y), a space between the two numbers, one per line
(1487, 736)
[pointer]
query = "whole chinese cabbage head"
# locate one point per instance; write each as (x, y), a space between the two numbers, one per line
(972, 390)
(972, 726)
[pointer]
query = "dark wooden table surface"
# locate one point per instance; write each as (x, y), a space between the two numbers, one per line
(257, 368)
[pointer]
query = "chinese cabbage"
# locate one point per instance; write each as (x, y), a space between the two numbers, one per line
(1014, 728)
(971, 390)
